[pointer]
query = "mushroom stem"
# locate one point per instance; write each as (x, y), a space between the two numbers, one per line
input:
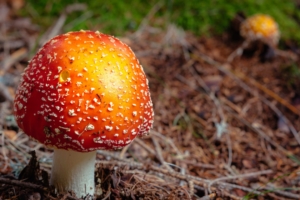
(74, 171)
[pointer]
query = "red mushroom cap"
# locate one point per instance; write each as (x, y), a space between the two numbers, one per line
(84, 91)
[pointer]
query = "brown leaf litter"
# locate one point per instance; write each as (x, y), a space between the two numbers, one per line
(222, 130)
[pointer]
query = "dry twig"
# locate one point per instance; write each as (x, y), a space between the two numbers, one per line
(159, 154)
(253, 174)
(148, 17)
(23, 184)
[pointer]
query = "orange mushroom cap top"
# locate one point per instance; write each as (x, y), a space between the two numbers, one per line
(260, 27)
(84, 91)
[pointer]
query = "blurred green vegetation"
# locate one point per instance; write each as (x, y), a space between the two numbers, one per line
(203, 17)
(291, 74)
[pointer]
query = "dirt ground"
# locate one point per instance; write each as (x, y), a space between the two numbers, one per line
(223, 130)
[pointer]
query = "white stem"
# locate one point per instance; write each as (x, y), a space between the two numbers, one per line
(74, 171)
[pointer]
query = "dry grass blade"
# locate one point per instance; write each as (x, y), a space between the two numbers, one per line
(159, 156)
(6, 94)
(149, 16)
(13, 58)
(143, 145)
(168, 140)
(238, 51)
(56, 28)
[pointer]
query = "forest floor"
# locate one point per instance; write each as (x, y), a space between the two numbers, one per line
(227, 130)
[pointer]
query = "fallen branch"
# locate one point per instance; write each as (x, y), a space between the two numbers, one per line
(23, 184)
(28, 185)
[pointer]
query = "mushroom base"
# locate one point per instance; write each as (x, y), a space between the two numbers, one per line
(74, 171)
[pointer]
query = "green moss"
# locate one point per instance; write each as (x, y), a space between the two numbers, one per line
(291, 74)
(201, 17)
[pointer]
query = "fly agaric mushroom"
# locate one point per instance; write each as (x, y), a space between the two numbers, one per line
(260, 27)
(257, 27)
(81, 92)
